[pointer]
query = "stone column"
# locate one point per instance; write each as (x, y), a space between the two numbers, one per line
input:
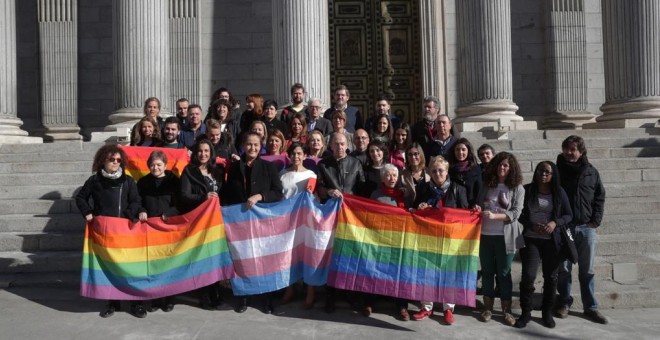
(185, 44)
(10, 131)
(484, 67)
(58, 45)
(632, 69)
(566, 46)
(141, 58)
(301, 48)
(433, 52)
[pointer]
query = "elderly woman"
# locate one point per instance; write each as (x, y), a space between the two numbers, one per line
(388, 193)
(201, 180)
(338, 122)
(501, 203)
(112, 193)
(148, 133)
(275, 143)
(297, 130)
(251, 180)
(159, 191)
(438, 193)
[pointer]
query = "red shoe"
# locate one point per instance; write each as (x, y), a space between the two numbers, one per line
(449, 317)
(422, 314)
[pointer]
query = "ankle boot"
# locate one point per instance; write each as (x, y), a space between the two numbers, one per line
(524, 319)
(548, 321)
(487, 311)
(509, 320)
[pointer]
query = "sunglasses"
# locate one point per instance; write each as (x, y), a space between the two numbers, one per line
(113, 160)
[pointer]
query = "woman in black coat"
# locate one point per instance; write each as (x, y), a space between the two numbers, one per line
(159, 191)
(251, 180)
(201, 180)
(113, 194)
(465, 170)
(545, 210)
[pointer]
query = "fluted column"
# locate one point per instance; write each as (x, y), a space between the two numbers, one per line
(484, 65)
(632, 63)
(141, 57)
(431, 27)
(301, 48)
(9, 121)
(185, 43)
(566, 46)
(58, 46)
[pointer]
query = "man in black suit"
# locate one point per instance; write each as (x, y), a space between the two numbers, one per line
(353, 115)
(314, 119)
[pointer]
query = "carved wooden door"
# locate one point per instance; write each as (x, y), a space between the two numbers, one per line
(374, 51)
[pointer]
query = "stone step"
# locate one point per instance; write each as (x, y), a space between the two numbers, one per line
(650, 163)
(593, 154)
(40, 262)
(47, 192)
(59, 147)
(41, 157)
(55, 178)
(32, 242)
(56, 223)
(626, 205)
(640, 190)
(629, 223)
(628, 244)
(45, 280)
(37, 207)
(46, 167)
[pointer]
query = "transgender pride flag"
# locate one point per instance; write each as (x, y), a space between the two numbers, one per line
(276, 244)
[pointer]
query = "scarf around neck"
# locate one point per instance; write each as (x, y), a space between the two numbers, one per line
(115, 175)
(438, 193)
(396, 194)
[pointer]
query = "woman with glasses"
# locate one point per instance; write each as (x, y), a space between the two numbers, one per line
(415, 171)
(114, 194)
(438, 193)
(500, 203)
(546, 208)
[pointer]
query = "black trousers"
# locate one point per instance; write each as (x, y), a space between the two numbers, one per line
(538, 251)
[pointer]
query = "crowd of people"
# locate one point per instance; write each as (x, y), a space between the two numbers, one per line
(420, 166)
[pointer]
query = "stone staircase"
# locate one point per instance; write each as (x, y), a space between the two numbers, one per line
(41, 230)
(627, 265)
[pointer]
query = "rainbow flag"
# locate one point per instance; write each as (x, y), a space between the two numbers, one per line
(276, 244)
(432, 255)
(123, 260)
(136, 164)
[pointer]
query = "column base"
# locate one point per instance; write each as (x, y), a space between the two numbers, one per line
(623, 123)
(11, 126)
(126, 116)
(120, 134)
(567, 120)
(61, 133)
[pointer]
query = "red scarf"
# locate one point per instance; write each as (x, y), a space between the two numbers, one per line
(394, 193)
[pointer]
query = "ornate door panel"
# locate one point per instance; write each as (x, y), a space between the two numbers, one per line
(374, 51)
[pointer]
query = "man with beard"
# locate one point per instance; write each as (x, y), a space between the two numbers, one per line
(433, 132)
(297, 104)
(382, 108)
(353, 115)
(171, 131)
(361, 142)
(586, 193)
(314, 119)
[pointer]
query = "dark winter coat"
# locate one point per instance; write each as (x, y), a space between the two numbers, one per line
(160, 196)
(110, 197)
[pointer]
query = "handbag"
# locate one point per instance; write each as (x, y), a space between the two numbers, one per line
(568, 249)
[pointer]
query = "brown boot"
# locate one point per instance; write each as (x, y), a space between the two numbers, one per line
(487, 311)
(509, 320)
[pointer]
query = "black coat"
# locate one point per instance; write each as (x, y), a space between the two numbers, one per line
(472, 181)
(584, 189)
(160, 196)
(195, 188)
(323, 125)
(264, 179)
(425, 138)
(345, 175)
(455, 197)
(371, 181)
(110, 197)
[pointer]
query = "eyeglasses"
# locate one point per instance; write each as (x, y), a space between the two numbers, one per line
(113, 160)
(544, 173)
(438, 171)
(413, 154)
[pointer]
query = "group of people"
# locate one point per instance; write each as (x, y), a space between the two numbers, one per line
(423, 166)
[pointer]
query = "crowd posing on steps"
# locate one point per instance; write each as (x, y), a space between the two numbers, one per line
(552, 221)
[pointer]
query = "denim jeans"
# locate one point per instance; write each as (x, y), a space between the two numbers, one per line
(494, 260)
(585, 242)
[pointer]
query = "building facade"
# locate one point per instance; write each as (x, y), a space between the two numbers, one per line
(74, 67)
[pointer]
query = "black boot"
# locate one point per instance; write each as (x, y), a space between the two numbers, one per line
(268, 306)
(548, 321)
(549, 289)
(154, 305)
(138, 310)
(110, 308)
(242, 305)
(168, 304)
(524, 319)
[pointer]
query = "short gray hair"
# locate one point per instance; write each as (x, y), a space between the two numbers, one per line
(309, 102)
(386, 168)
(434, 99)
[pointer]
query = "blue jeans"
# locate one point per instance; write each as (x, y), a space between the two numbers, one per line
(585, 242)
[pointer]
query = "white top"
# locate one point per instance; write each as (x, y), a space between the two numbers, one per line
(294, 182)
(497, 201)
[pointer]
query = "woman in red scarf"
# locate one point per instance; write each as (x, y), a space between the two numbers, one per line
(389, 193)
